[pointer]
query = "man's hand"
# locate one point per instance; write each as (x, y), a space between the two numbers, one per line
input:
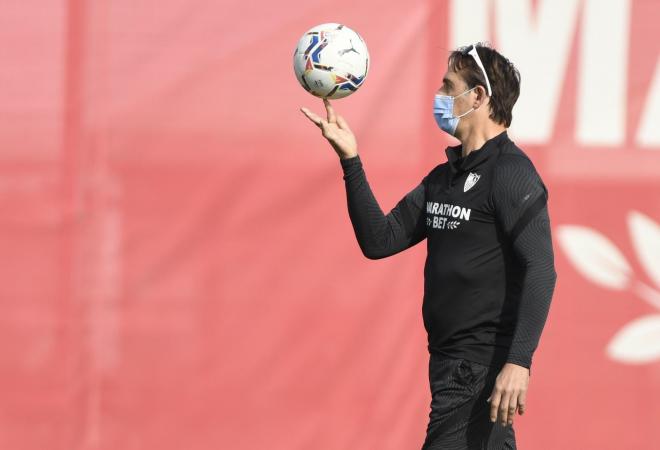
(509, 393)
(335, 130)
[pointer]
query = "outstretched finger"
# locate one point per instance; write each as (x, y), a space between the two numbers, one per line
(313, 117)
(332, 118)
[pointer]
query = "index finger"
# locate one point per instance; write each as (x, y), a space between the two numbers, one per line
(332, 118)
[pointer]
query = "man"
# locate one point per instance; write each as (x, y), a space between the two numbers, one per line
(489, 274)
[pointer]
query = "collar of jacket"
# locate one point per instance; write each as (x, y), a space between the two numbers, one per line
(458, 164)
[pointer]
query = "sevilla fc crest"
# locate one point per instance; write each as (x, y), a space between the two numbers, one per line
(471, 181)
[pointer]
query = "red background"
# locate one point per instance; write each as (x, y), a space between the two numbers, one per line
(179, 267)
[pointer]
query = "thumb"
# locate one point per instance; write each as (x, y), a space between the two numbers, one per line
(326, 131)
(342, 123)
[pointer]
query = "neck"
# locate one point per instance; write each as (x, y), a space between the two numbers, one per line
(476, 138)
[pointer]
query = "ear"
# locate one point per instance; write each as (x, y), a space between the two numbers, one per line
(481, 97)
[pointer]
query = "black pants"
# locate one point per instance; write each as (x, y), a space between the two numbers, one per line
(460, 415)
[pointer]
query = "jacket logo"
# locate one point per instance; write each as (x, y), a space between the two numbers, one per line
(438, 215)
(470, 181)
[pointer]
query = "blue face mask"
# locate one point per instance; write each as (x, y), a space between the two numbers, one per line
(443, 110)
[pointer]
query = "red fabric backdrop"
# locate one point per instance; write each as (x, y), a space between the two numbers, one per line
(179, 268)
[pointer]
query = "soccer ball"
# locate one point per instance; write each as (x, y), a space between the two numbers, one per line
(331, 61)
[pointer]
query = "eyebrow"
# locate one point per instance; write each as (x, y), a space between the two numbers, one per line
(447, 81)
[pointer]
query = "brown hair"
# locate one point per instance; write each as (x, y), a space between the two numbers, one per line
(503, 76)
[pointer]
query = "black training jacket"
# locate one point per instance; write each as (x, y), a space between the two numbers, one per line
(489, 274)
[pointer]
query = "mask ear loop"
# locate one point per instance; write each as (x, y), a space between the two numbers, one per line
(465, 113)
(469, 110)
(480, 104)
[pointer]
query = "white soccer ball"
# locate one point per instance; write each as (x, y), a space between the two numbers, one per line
(331, 61)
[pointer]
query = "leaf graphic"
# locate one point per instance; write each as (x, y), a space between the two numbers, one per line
(646, 240)
(595, 256)
(638, 342)
(648, 294)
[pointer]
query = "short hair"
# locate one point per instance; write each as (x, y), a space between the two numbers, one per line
(503, 76)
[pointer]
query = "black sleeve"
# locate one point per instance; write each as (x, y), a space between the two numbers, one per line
(520, 200)
(381, 235)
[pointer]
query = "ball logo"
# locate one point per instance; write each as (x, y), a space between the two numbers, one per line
(470, 181)
(352, 49)
(600, 261)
